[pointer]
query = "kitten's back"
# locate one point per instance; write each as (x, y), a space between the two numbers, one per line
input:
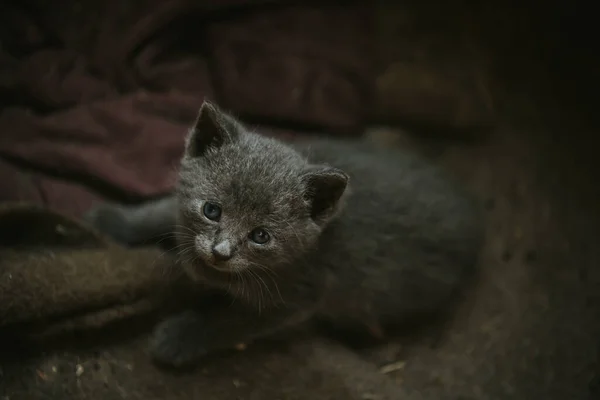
(407, 236)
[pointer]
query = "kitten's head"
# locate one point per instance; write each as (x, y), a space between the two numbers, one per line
(247, 201)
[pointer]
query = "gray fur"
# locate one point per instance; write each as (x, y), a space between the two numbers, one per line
(359, 235)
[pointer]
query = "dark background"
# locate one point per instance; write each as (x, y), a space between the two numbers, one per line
(96, 97)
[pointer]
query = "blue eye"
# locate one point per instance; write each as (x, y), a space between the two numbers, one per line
(260, 236)
(211, 211)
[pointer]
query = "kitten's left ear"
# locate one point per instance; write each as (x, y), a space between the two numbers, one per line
(324, 187)
(212, 129)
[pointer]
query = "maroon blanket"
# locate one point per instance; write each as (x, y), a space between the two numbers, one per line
(96, 96)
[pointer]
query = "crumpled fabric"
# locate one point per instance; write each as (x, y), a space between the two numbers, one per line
(96, 97)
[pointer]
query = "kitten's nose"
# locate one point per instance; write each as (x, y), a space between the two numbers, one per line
(222, 251)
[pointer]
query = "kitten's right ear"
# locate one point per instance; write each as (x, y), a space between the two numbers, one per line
(212, 129)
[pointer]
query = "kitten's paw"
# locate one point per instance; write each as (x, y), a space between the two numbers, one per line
(179, 341)
(112, 221)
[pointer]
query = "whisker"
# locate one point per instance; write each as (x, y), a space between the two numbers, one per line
(237, 274)
(187, 228)
(267, 288)
(272, 275)
(260, 296)
(173, 233)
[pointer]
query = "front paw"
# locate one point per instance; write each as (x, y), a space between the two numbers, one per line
(179, 341)
(112, 221)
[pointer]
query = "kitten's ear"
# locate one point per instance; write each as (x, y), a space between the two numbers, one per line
(212, 129)
(324, 187)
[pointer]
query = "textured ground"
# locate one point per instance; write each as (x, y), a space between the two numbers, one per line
(529, 329)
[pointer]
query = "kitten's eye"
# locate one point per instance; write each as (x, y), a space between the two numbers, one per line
(211, 211)
(260, 236)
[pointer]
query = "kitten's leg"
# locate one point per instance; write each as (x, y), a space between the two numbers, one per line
(183, 339)
(134, 225)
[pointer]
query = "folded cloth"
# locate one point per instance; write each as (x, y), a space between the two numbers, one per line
(58, 275)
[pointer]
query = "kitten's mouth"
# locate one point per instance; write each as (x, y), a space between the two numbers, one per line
(219, 268)
(210, 264)
(208, 272)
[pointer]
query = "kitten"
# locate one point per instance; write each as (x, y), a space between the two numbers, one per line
(333, 229)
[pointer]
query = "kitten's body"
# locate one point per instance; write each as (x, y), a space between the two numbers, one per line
(405, 239)
(398, 239)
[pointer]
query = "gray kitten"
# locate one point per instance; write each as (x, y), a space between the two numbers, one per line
(332, 229)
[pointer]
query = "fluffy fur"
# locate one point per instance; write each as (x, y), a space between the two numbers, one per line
(357, 234)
